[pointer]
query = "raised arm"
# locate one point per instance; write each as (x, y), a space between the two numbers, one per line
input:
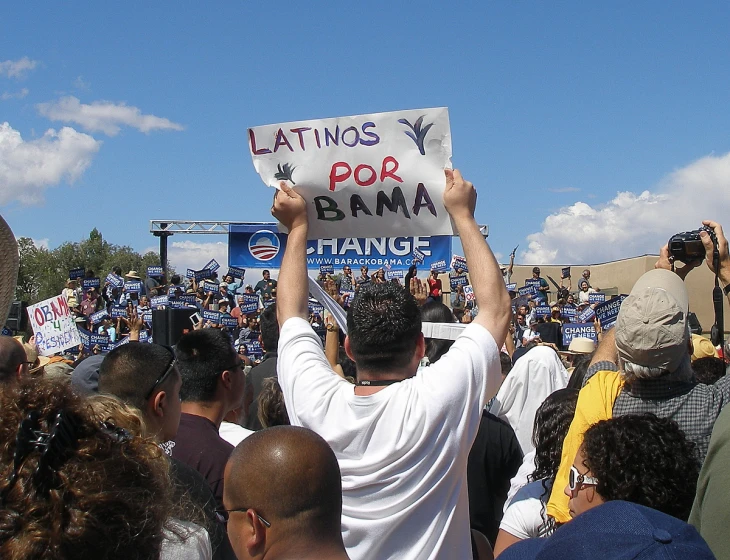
(293, 288)
(486, 278)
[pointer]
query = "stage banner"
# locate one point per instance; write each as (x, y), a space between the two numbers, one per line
(260, 246)
(364, 175)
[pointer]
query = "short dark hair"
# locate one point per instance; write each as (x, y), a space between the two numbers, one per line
(175, 279)
(708, 370)
(436, 312)
(12, 355)
(536, 270)
(129, 371)
(506, 362)
(643, 459)
(201, 358)
(265, 272)
(269, 328)
(383, 324)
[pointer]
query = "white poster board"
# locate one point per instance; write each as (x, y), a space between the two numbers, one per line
(379, 175)
(53, 326)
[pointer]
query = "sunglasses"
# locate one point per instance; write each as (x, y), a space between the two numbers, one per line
(576, 480)
(161, 379)
(224, 513)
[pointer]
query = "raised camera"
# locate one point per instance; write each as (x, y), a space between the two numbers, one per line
(687, 246)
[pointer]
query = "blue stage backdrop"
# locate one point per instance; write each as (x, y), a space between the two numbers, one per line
(262, 246)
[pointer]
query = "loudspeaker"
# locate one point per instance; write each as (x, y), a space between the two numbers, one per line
(18, 317)
(168, 325)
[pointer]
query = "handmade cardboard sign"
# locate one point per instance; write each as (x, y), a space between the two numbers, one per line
(365, 175)
(53, 326)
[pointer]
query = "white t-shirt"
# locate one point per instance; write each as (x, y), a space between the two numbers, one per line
(403, 450)
(583, 296)
(524, 516)
(233, 433)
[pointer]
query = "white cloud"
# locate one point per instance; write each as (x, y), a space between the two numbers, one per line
(103, 116)
(191, 254)
(80, 83)
(634, 224)
(565, 190)
(17, 95)
(28, 168)
(41, 243)
(17, 68)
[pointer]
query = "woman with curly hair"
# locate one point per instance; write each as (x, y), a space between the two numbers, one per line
(73, 485)
(635, 458)
(525, 516)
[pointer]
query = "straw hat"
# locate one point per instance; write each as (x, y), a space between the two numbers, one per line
(9, 262)
(580, 345)
(702, 348)
(133, 274)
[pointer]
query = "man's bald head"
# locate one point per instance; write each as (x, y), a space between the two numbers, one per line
(287, 473)
(12, 359)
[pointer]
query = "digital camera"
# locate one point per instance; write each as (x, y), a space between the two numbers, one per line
(687, 246)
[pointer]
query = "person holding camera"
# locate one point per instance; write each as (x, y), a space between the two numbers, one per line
(642, 364)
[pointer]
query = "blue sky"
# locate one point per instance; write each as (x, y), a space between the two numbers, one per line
(592, 131)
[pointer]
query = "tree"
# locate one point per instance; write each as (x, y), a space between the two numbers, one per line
(43, 273)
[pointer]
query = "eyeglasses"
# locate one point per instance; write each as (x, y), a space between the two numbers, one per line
(225, 512)
(577, 480)
(162, 377)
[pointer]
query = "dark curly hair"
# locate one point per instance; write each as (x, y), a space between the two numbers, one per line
(110, 496)
(383, 325)
(552, 421)
(643, 459)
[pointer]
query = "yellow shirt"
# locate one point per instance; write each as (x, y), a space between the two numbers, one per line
(595, 403)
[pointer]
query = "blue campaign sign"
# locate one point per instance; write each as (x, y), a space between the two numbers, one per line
(418, 256)
(117, 311)
(125, 340)
(316, 308)
(586, 315)
(177, 303)
(253, 348)
(390, 274)
(187, 298)
(532, 282)
(459, 263)
(230, 322)
(159, 301)
(98, 317)
(133, 286)
(269, 302)
(100, 339)
(85, 337)
(114, 280)
(212, 265)
(542, 311)
(154, 271)
(76, 273)
(565, 272)
(527, 291)
(458, 280)
(569, 312)
(235, 272)
(190, 273)
(469, 294)
(511, 287)
(147, 316)
(596, 297)
(87, 283)
(578, 330)
(143, 336)
(262, 246)
(209, 287)
(212, 316)
(607, 312)
(439, 266)
(327, 268)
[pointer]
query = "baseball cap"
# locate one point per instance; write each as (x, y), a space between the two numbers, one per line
(651, 328)
(616, 530)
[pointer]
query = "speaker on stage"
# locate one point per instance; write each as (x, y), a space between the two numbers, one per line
(168, 325)
(18, 317)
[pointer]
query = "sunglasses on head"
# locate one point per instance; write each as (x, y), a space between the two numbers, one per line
(576, 480)
(164, 375)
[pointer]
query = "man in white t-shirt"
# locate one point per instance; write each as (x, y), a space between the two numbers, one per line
(402, 440)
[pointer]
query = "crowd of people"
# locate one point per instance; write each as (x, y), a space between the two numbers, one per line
(368, 419)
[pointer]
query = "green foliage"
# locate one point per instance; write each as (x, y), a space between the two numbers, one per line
(43, 273)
